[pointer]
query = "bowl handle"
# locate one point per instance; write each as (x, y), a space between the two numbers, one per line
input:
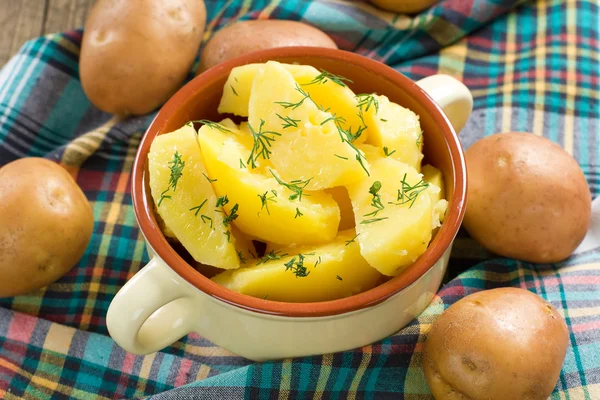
(452, 96)
(151, 311)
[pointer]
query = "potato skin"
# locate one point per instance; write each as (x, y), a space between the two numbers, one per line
(527, 198)
(248, 36)
(46, 224)
(136, 53)
(497, 344)
(404, 6)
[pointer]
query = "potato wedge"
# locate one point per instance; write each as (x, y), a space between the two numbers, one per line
(437, 191)
(393, 215)
(306, 274)
(265, 210)
(186, 201)
(307, 145)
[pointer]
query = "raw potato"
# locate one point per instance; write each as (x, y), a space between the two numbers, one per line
(46, 224)
(248, 36)
(496, 344)
(276, 219)
(189, 208)
(404, 6)
(333, 271)
(528, 199)
(135, 54)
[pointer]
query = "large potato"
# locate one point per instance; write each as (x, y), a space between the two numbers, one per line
(46, 224)
(248, 36)
(135, 54)
(527, 198)
(497, 344)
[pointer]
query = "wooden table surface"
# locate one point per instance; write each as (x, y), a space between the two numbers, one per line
(21, 20)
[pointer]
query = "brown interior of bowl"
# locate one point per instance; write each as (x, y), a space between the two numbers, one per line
(199, 100)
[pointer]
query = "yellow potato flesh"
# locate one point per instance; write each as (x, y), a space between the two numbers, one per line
(334, 270)
(398, 129)
(340, 195)
(437, 191)
(395, 237)
(308, 146)
(206, 239)
(278, 218)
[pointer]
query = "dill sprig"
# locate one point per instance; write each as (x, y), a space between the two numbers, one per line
(176, 166)
(370, 221)
(221, 201)
(262, 142)
(293, 106)
(213, 125)
(207, 218)
(338, 156)
(339, 278)
(289, 122)
(317, 262)
(232, 216)
(297, 267)
(241, 257)
(265, 198)
(296, 186)
(387, 151)
(376, 200)
(298, 213)
(242, 165)
(365, 101)
(352, 240)
(419, 139)
(272, 255)
(407, 194)
(198, 208)
(335, 118)
(233, 90)
(325, 76)
(208, 179)
(228, 234)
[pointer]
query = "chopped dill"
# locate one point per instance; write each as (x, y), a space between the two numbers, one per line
(324, 76)
(376, 200)
(365, 101)
(289, 122)
(407, 194)
(242, 165)
(293, 106)
(370, 221)
(241, 257)
(176, 166)
(334, 118)
(233, 90)
(419, 140)
(207, 218)
(383, 120)
(228, 234)
(262, 142)
(272, 255)
(298, 213)
(232, 216)
(297, 267)
(317, 262)
(198, 208)
(295, 186)
(338, 156)
(387, 151)
(352, 240)
(221, 201)
(213, 125)
(264, 200)
(339, 278)
(208, 179)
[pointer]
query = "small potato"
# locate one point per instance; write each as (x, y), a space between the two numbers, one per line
(404, 6)
(46, 224)
(496, 344)
(135, 54)
(527, 198)
(248, 36)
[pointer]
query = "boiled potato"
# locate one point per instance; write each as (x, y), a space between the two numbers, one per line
(496, 344)
(135, 54)
(46, 224)
(527, 198)
(394, 128)
(186, 201)
(393, 215)
(404, 6)
(307, 145)
(341, 197)
(248, 36)
(268, 210)
(307, 273)
(436, 189)
(328, 91)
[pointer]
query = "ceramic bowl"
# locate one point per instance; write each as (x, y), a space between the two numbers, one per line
(168, 298)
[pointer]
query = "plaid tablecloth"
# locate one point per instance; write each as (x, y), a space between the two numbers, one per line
(532, 66)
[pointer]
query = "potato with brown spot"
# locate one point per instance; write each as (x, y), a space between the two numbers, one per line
(136, 53)
(527, 198)
(46, 224)
(248, 36)
(496, 344)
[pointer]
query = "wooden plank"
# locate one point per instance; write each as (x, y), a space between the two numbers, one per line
(66, 14)
(20, 20)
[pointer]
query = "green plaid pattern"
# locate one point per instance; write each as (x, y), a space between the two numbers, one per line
(532, 66)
